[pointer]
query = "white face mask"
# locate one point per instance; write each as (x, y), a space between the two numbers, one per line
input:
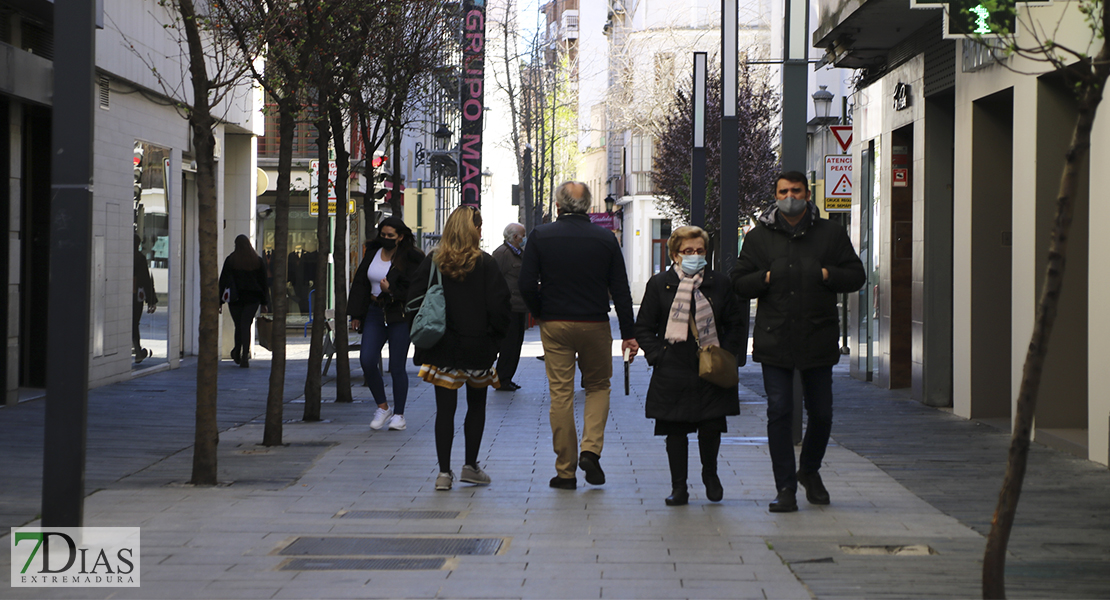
(693, 263)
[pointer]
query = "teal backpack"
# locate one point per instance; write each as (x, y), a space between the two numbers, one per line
(431, 313)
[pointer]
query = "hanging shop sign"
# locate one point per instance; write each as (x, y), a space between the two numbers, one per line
(472, 101)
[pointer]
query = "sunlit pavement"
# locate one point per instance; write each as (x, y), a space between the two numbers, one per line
(912, 491)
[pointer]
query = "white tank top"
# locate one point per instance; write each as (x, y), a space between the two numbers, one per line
(376, 273)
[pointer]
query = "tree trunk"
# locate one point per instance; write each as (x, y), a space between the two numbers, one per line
(319, 291)
(994, 557)
(395, 193)
(207, 434)
(343, 167)
(275, 400)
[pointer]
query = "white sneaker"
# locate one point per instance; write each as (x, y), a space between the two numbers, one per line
(397, 422)
(474, 474)
(444, 481)
(380, 417)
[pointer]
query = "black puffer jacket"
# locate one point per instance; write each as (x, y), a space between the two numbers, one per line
(477, 316)
(401, 269)
(796, 322)
(676, 393)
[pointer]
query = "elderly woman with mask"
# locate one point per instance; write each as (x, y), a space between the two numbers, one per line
(689, 295)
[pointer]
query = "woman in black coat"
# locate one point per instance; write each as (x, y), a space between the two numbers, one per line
(678, 399)
(243, 287)
(477, 299)
(376, 306)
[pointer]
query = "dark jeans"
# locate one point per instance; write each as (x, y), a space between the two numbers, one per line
(447, 401)
(136, 315)
(510, 347)
(242, 314)
(375, 334)
(817, 394)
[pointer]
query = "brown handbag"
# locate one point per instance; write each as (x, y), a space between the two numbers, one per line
(715, 364)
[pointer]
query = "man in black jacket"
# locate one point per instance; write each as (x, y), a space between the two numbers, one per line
(509, 257)
(796, 263)
(570, 269)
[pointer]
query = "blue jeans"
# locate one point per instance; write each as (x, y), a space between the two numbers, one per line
(817, 397)
(375, 333)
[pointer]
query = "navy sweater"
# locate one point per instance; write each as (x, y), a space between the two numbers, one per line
(571, 268)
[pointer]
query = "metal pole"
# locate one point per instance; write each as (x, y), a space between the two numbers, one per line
(730, 138)
(795, 85)
(67, 372)
(697, 159)
(794, 98)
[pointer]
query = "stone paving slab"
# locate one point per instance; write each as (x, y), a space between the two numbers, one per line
(899, 474)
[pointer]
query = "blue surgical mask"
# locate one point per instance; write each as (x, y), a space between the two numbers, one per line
(692, 263)
(523, 241)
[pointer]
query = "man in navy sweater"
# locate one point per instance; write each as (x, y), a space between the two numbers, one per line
(571, 268)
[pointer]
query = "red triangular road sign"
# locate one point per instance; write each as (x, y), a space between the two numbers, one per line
(843, 188)
(843, 135)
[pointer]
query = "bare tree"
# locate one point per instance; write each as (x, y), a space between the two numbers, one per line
(274, 31)
(1084, 64)
(212, 70)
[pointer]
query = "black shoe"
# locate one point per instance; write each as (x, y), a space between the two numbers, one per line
(591, 464)
(678, 497)
(564, 483)
(508, 386)
(784, 502)
(141, 355)
(713, 490)
(244, 363)
(540, 357)
(815, 488)
(235, 355)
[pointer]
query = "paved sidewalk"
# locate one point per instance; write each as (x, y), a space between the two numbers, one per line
(900, 474)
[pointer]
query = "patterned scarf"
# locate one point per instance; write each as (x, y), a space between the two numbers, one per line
(678, 325)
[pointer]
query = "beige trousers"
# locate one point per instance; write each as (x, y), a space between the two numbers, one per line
(592, 345)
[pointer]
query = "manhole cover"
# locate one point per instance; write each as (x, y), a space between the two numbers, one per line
(399, 514)
(375, 546)
(364, 564)
(908, 550)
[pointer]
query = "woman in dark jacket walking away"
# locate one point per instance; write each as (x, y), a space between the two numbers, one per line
(689, 294)
(478, 309)
(377, 309)
(243, 288)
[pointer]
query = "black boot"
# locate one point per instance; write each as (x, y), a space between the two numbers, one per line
(679, 496)
(709, 444)
(678, 457)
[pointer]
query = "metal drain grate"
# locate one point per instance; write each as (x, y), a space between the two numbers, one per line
(391, 546)
(400, 514)
(364, 564)
(743, 441)
(907, 550)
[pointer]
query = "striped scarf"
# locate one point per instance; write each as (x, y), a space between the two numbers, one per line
(678, 324)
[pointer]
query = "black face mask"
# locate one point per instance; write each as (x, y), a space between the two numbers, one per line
(388, 244)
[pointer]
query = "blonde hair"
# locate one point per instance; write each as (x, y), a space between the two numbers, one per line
(686, 232)
(458, 250)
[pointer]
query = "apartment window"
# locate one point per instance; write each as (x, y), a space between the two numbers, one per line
(640, 168)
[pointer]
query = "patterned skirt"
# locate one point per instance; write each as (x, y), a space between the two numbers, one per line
(454, 379)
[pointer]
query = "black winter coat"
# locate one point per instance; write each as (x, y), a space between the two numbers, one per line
(401, 269)
(477, 316)
(796, 321)
(245, 286)
(676, 393)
